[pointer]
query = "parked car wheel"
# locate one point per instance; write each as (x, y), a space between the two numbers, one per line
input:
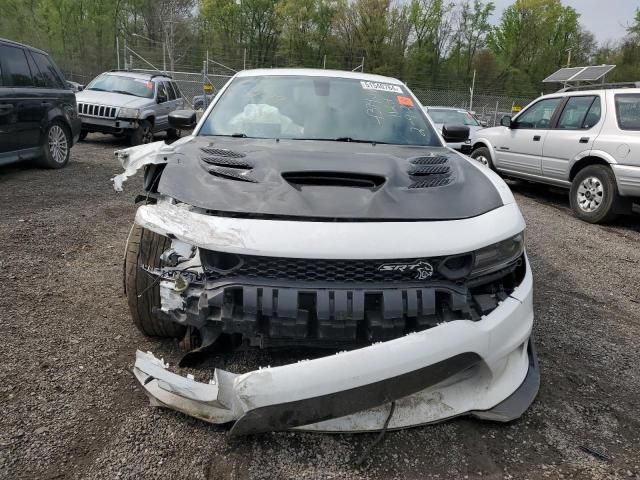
(56, 147)
(594, 194)
(83, 135)
(144, 247)
(483, 155)
(143, 134)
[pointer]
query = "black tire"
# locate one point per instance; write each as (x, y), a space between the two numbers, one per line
(142, 134)
(56, 146)
(83, 135)
(174, 134)
(483, 156)
(144, 247)
(594, 194)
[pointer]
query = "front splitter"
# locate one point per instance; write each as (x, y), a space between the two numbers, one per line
(454, 388)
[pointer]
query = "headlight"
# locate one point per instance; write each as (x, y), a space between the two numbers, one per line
(497, 256)
(128, 113)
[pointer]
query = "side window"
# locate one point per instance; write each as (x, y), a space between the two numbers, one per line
(162, 92)
(47, 76)
(628, 111)
(593, 115)
(16, 69)
(170, 92)
(178, 92)
(575, 112)
(538, 116)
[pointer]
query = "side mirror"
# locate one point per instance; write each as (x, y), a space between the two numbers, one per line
(506, 121)
(182, 119)
(161, 98)
(455, 133)
(483, 123)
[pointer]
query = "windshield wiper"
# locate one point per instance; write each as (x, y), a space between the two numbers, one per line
(97, 89)
(125, 93)
(339, 139)
(239, 135)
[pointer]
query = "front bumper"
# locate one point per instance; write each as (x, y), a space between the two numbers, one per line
(103, 125)
(628, 180)
(483, 368)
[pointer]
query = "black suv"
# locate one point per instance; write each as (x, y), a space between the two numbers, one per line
(38, 114)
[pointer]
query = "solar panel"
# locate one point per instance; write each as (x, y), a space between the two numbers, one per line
(563, 74)
(591, 74)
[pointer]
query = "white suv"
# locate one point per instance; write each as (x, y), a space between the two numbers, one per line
(585, 140)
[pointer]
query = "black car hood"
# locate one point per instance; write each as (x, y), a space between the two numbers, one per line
(326, 180)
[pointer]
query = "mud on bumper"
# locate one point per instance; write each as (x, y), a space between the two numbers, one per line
(485, 368)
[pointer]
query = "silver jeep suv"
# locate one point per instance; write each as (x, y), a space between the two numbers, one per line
(130, 104)
(587, 140)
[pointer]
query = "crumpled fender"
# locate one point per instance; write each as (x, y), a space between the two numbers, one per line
(133, 159)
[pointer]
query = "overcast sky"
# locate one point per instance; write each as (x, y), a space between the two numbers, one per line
(607, 19)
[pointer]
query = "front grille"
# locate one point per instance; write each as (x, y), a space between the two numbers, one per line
(309, 270)
(95, 110)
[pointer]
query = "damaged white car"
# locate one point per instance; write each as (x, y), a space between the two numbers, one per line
(316, 208)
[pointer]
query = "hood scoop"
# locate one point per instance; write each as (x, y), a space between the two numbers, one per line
(333, 179)
(430, 171)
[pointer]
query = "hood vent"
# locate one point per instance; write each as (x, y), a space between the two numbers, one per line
(227, 162)
(432, 181)
(333, 179)
(431, 160)
(420, 170)
(430, 171)
(222, 152)
(232, 174)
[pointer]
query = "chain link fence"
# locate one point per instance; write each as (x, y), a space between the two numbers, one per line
(191, 78)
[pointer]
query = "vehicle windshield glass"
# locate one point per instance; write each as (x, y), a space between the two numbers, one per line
(452, 117)
(319, 108)
(138, 87)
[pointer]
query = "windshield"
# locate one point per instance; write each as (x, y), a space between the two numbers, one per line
(452, 117)
(319, 108)
(138, 87)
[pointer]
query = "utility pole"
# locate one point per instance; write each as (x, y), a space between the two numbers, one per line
(324, 62)
(118, 51)
(244, 59)
(569, 58)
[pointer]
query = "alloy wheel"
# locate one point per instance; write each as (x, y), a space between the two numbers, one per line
(483, 160)
(590, 194)
(58, 145)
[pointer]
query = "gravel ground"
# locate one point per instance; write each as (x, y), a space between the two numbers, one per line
(71, 409)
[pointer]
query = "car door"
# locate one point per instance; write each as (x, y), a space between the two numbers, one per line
(519, 149)
(19, 106)
(573, 134)
(163, 108)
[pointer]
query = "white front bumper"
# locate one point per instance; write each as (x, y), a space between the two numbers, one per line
(459, 367)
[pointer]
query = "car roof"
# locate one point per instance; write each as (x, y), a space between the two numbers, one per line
(318, 72)
(141, 75)
(17, 44)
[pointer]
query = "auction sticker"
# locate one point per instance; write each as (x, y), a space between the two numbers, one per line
(405, 101)
(385, 87)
